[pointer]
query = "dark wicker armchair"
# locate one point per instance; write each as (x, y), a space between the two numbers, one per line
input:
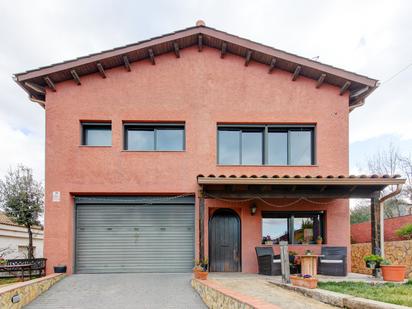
(333, 263)
(269, 264)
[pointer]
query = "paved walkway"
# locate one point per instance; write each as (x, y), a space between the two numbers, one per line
(121, 291)
(259, 287)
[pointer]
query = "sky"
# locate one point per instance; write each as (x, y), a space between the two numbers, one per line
(372, 38)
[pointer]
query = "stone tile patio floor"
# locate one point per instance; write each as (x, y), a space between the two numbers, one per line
(259, 286)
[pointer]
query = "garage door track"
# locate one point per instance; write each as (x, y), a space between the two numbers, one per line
(121, 291)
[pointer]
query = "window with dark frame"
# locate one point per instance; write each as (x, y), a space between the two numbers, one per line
(293, 227)
(96, 134)
(154, 137)
(266, 145)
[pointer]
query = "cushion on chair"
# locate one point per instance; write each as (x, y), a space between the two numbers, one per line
(331, 261)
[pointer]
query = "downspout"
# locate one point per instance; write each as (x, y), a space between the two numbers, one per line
(382, 222)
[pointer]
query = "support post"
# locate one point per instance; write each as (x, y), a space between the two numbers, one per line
(284, 260)
(376, 226)
(201, 226)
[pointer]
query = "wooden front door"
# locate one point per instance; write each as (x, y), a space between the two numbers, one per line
(224, 241)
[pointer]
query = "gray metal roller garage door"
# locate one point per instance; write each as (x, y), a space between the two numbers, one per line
(122, 235)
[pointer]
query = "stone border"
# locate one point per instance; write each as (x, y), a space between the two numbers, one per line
(215, 295)
(339, 299)
(28, 290)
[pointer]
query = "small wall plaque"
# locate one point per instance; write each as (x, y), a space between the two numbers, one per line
(56, 196)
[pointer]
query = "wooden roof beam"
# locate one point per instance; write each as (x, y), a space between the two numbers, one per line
(248, 57)
(223, 50)
(296, 73)
(320, 81)
(35, 87)
(101, 70)
(127, 63)
(272, 65)
(151, 56)
(176, 49)
(200, 42)
(50, 83)
(76, 77)
(345, 87)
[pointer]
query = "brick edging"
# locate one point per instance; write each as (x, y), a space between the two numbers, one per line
(215, 295)
(27, 290)
(339, 299)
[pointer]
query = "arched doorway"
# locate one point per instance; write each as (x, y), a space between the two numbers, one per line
(224, 241)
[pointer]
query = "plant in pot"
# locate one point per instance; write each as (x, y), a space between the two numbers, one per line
(306, 281)
(200, 270)
(60, 269)
(391, 272)
(319, 240)
(372, 261)
(268, 240)
(308, 252)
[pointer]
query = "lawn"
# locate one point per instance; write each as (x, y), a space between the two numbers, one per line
(399, 294)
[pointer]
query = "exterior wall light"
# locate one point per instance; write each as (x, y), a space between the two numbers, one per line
(253, 209)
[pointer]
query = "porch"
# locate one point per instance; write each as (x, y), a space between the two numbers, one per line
(324, 200)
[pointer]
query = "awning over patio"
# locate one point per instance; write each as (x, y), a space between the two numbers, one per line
(298, 187)
(287, 186)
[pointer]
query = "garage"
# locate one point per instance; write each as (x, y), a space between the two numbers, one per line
(134, 234)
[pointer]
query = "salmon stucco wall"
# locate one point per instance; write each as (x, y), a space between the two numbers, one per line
(201, 90)
(336, 226)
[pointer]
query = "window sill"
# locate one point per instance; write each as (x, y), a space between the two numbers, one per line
(154, 151)
(265, 165)
(95, 146)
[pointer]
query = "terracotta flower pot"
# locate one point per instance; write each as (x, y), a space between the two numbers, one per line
(309, 283)
(393, 272)
(201, 275)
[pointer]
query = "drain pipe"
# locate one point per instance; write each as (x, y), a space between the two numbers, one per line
(382, 222)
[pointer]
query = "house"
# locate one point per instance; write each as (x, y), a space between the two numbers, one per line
(14, 239)
(196, 143)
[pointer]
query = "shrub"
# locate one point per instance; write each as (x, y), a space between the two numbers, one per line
(405, 231)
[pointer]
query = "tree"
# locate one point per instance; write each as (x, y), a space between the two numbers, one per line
(391, 162)
(360, 213)
(21, 198)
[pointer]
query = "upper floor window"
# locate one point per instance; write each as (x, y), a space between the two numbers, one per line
(154, 137)
(265, 145)
(96, 134)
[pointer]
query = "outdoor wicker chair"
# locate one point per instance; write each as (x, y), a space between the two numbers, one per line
(333, 263)
(268, 263)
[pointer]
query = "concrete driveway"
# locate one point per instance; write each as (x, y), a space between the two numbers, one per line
(121, 291)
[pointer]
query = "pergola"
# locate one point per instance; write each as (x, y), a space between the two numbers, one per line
(298, 187)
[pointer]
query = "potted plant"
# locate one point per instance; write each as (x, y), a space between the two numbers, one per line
(306, 281)
(392, 272)
(267, 240)
(308, 252)
(372, 261)
(200, 270)
(319, 240)
(60, 269)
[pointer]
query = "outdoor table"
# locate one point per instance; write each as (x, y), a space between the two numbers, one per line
(22, 267)
(309, 264)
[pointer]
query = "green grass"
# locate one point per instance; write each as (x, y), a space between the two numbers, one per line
(4, 281)
(399, 294)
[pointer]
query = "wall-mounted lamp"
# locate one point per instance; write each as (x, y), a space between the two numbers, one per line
(253, 209)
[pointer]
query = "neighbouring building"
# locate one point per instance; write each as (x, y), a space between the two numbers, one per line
(14, 239)
(196, 143)
(361, 232)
